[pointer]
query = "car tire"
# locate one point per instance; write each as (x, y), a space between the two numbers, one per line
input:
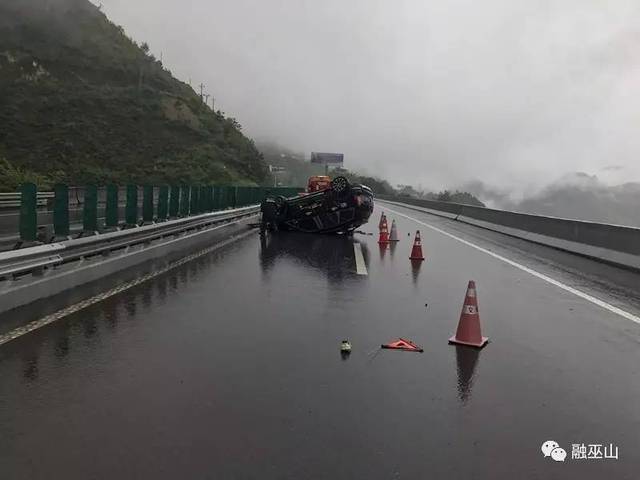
(340, 185)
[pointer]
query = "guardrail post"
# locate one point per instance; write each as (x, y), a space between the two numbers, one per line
(233, 201)
(174, 202)
(163, 203)
(208, 195)
(28, 213)
(90, 211)
(61, 211)
(185, 191)
(212, 205)
(202, 199)
(224, 197)
(194, 200)
(131, 209)
(227, 197)
(217, 198)
(147, 204)
(111, 208)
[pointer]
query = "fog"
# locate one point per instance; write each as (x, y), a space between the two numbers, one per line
(435, 94)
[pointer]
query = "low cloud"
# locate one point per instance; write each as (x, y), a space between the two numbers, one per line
(431, 93)
(577, 195)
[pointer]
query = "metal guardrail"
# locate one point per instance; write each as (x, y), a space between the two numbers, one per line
(35, 259)
(102, 208)
(13, 199)
(29, 266)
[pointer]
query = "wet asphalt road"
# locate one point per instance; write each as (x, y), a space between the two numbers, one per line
(229, 368)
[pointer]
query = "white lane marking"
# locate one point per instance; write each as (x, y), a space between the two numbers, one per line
(36, 324)
(542, 276)
(361, 267)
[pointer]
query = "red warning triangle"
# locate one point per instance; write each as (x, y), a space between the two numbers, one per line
(402, 344)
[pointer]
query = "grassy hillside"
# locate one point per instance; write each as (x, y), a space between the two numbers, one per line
(81, 102)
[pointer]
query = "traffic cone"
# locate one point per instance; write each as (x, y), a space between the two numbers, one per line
(468, 332)
(382, 219)
(384, 233)
(416, 251)
(393, 236)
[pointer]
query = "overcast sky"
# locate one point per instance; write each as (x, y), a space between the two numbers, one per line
(511, 92)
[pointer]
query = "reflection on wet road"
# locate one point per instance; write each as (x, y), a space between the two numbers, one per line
(230, 367)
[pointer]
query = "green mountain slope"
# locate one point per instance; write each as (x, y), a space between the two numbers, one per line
(81, 102)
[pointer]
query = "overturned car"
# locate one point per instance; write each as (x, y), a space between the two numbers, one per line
(340, 208)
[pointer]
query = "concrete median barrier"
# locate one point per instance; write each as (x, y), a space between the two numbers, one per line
(615, 244)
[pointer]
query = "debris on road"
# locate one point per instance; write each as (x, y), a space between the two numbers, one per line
(402, 344)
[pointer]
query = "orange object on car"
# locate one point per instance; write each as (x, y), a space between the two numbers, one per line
(318, 183)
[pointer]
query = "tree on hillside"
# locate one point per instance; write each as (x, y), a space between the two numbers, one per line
(444, 196)
(81, 101)
(379, 186)
(466, 198)
(409, 191)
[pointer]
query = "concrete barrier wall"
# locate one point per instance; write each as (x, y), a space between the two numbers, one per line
(624, 239)
(614, 244)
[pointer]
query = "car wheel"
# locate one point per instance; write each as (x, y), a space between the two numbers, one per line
(339, 185)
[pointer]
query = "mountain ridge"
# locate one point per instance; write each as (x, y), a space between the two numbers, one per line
(82, 102)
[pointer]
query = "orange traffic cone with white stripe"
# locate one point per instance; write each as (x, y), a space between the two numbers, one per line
(416, 251)
(393, 235)
(468, 332)
(382, 220)
(384, 233)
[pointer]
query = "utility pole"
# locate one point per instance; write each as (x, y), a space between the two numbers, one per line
(202, 91)
(206, 98)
